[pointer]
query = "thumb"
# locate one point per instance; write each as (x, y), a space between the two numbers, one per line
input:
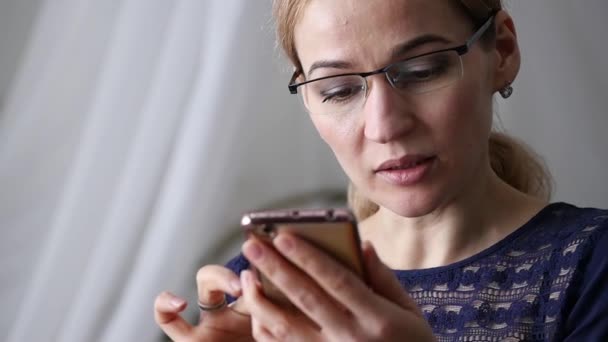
(383, 281)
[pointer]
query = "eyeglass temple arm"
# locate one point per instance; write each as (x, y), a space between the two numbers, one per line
(293, 88)
(478, 33)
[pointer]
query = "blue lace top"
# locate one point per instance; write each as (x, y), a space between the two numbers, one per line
(547, 281)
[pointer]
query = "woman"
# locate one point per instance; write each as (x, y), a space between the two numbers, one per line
(465, 245)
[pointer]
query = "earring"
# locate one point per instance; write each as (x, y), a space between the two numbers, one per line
(507, 91)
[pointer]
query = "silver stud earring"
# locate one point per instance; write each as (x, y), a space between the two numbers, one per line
(507, 91)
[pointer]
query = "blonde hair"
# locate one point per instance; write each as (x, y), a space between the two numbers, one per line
(512, 160)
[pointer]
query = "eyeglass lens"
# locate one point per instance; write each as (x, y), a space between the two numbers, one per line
(347, 93)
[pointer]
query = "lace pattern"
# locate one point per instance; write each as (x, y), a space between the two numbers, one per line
(512, 292)
(515, 290)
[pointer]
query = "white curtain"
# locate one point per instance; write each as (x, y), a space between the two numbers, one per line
(133, 134)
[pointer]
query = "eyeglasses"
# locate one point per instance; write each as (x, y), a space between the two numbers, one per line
(346, 93)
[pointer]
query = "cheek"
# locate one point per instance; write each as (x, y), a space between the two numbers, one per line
(467, 109)
(463, 123)
(341, 136)
(325, 129)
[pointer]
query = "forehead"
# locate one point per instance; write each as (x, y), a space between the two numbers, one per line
(365, 31)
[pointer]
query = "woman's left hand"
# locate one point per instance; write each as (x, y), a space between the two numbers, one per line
(335, 304)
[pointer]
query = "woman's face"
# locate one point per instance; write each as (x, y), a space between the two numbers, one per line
(410, 153)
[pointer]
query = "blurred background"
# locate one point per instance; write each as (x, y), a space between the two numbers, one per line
(134, 134)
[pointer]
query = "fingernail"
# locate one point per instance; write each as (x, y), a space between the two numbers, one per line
(283, 243)
(252, 250)
(235, 285)
(176, 302)
(245, 278)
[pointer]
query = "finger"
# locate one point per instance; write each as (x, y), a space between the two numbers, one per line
(269, 323)
(298, 287)
(337, 280)
(383, 281)
(214, 281)
(260, 334)
(167, 307)
(239, 307)
(273, 323)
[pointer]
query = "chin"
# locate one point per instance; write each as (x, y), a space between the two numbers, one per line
(411, 209)
(409, 204)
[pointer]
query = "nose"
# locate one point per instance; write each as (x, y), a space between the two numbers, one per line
(387, 113)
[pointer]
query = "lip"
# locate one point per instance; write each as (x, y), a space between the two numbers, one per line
(406, 171)
(403, 162)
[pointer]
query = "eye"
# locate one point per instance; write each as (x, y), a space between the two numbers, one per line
(341, 93)
(424, 74)
(420, 73)
(338, 90)
(426, 69)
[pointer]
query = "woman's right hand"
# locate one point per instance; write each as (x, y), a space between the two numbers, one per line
(231, 323)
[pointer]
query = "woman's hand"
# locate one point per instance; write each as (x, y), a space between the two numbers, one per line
(226, 324)
(336, 304)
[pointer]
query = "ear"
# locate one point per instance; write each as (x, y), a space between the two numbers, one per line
(508, 59)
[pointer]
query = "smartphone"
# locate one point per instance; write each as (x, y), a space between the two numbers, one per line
(332, 230)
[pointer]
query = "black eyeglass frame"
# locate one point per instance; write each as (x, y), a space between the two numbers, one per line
(461, 50)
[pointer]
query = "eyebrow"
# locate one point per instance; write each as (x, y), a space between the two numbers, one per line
(397, 52)
(328, 64)
(406, 47)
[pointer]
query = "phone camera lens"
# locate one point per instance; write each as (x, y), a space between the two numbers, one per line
(268, 229)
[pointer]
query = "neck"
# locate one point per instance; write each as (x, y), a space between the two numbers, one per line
(452, 232)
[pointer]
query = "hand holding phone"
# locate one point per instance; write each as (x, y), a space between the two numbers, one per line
(331, 230)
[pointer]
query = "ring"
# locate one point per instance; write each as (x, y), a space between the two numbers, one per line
(213, 307)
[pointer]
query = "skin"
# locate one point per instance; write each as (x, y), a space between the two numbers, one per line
(229, 324)
(459, 209)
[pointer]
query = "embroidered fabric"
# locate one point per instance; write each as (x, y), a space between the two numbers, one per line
(520, 289)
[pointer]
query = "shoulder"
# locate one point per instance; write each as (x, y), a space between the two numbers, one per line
(563, 245)
(581, 226)
(582, 236)
(573, 241)
(566, 227)
(585, 232)
(586, 301)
